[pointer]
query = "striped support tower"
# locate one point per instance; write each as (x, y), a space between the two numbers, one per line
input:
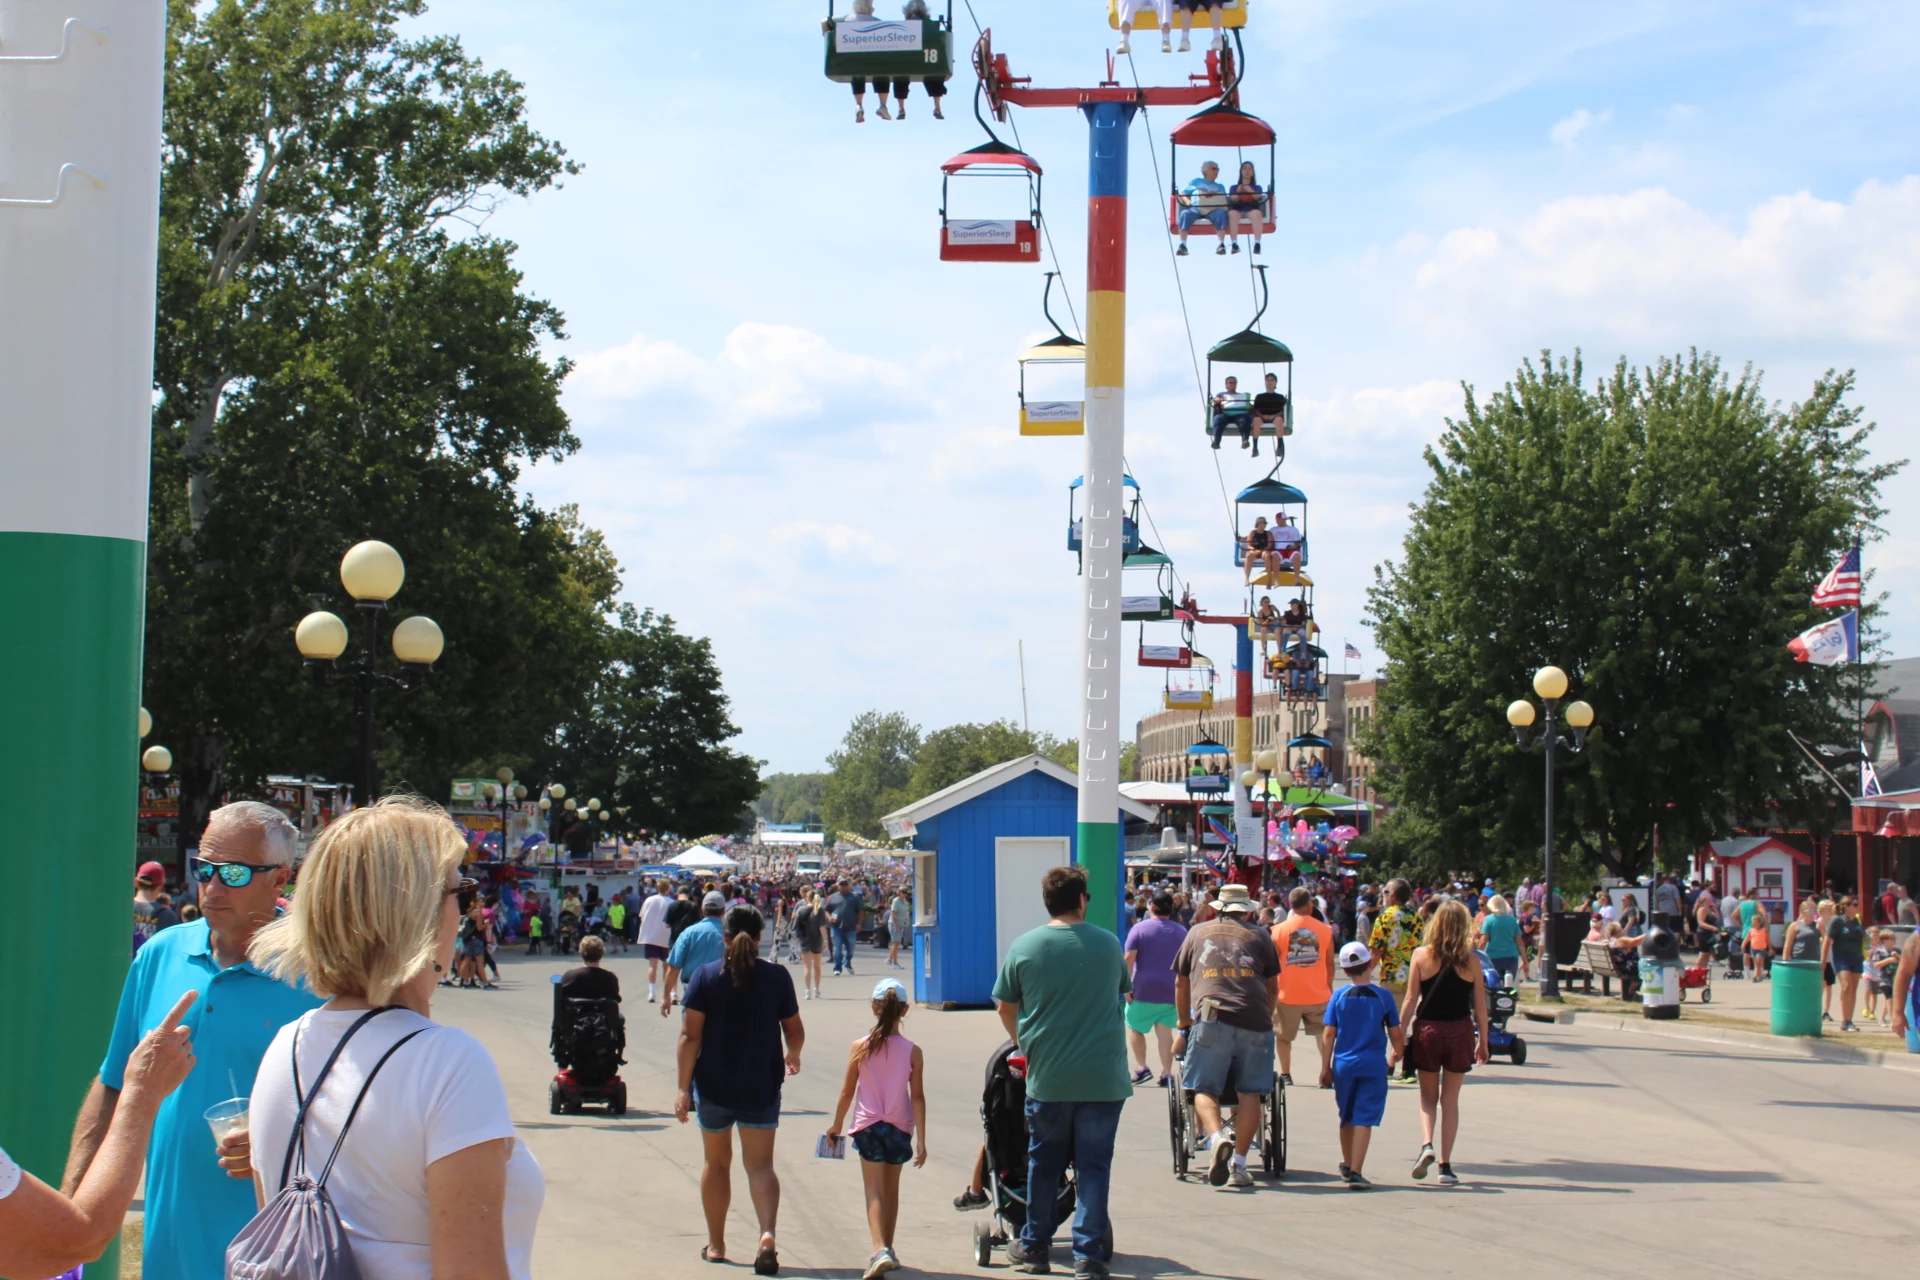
(79, 232)
(1242, 721)
(1099, 843)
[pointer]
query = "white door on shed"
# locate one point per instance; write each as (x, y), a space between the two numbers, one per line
(1018, 864)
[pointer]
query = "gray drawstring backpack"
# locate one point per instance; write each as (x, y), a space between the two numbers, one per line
(298, 1235)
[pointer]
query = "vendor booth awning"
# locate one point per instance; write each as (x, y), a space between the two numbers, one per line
(701, 858)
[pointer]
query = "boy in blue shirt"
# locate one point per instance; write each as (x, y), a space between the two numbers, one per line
(1360, 1020)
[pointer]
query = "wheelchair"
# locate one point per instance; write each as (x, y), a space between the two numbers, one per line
(1184, 1131)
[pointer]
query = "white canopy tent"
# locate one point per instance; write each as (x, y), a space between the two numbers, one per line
(701, 858)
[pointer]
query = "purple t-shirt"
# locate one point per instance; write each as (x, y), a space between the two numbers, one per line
(1158, 942)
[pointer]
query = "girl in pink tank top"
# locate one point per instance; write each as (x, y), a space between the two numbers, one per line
(886, 1089)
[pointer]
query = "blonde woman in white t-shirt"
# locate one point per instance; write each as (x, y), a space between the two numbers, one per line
(430, 1180)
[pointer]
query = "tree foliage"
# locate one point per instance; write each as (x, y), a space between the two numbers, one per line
(343, 354)
(869, 773)
(885, 762)
(647, 739)
(1657, 535)
(791, 798)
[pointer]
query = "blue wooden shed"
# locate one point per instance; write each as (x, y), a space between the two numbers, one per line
(980, 847)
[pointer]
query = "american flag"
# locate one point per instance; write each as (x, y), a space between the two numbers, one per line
(1841, 588)
(1352, 652)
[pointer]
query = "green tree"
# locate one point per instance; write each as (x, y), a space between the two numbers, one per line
(648, 740)
(959, 751)
(340, 354)
(791, 797)
(870, 773)
(1656, 535)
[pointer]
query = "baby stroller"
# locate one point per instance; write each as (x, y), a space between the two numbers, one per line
(1003, 1118)
(1502, 1004)
(589, 1040)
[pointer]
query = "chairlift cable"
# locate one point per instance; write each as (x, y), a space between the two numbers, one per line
(1193, 354)
(1046, 224)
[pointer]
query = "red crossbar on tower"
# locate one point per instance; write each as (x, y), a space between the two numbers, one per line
(1003, 87)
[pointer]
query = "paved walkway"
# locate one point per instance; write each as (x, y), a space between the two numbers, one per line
(1664, 1156)
(1742, 1003)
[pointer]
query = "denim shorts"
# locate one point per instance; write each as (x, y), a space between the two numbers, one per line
(1189, 218)
(1848, 964)
(1215, 1049)
(883, 1143)
(714, 1118)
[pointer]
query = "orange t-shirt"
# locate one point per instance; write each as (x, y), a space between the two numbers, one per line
(1304, 945)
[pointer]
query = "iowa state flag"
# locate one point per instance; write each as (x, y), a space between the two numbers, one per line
(1830, 643)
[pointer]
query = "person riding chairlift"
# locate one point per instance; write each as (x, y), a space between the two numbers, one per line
(1270, 410)
(1286, 541)
(1213, 12)
(1259, 546)
(1247, 207)
(1163, 9)
(1234, 408)
(1293, 623)
(1204, 200)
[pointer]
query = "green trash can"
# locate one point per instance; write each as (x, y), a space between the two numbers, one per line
(1796, 997)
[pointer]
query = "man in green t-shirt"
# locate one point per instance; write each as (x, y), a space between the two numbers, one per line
(1060, 996)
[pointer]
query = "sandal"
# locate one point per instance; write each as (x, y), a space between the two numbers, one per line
(767, 1261)
(707, 1254)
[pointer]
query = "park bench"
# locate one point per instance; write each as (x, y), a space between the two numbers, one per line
(1595, 961)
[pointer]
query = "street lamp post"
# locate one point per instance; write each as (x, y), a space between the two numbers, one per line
(372, 573)
(1265, 762)
(503, 797)
(1551, 684)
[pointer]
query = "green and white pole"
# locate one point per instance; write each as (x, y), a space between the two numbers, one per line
(79, 234)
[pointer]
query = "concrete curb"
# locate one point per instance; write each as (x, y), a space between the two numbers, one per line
(1786, 1046)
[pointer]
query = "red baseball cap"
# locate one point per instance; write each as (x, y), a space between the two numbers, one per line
(150, 873)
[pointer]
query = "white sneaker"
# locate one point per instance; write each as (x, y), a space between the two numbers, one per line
(1219, 43)
(1123, 48)
(882, 112)
(1221, 1161)
(1186, 45)
(1238, 1176)
(1166, 44)
(1423, 1163)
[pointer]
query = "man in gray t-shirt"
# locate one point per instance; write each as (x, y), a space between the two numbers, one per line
(1227, 979)
(843, 908)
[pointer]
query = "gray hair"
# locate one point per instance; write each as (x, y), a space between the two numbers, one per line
(277, 836)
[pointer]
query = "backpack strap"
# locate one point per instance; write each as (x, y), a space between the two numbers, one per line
(297, 1141)
(341, 1141)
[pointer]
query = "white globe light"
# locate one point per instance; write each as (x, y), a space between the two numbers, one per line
(156, 759)
(1550, 682)
(146, 723)
(558, 791)
(321, 636)
(418, 642)
(372, 571)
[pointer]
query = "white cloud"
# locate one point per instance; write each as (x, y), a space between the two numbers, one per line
(761, 373)
(1569, 128)
(1646, 266)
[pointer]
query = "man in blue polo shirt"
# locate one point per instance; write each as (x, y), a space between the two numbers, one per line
(698, 944)
(193, 1208)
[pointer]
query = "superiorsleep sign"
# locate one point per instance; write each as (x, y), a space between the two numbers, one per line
(876, 35)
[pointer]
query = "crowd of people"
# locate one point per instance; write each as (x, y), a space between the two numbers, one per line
(299, 1027)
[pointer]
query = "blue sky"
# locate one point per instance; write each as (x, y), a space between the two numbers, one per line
(799, 425)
